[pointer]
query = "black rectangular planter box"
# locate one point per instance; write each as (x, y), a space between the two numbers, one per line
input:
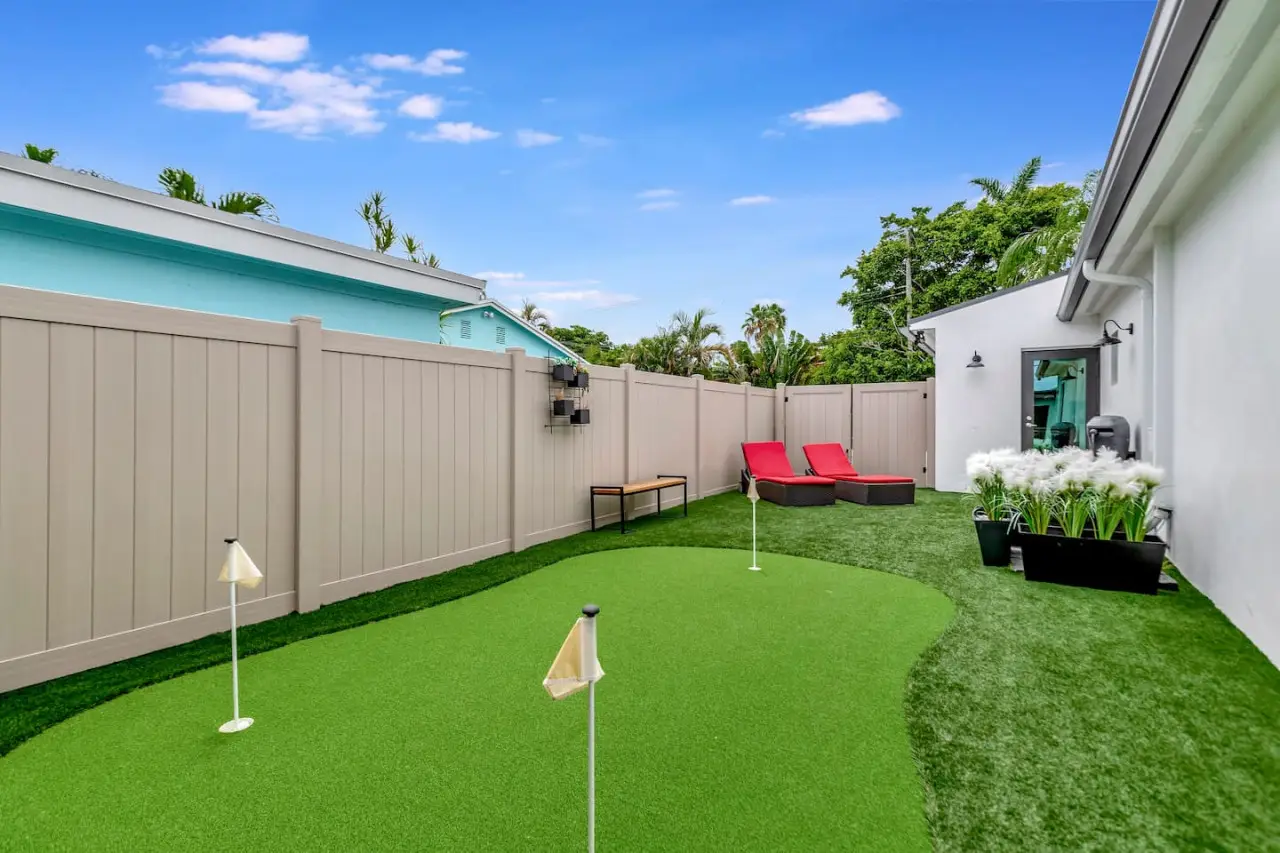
(581, 416)
(562, 372)
(993, 540)
(560, 408)
(1114, 564)
(580, 380)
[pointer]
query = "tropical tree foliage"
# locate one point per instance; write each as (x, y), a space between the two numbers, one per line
(534, 316)
(1044, 251)
(592, 345)
(1016, 190)
(40, 155)
(383, 235)
(763, 320)
(689, 344)
(181, 184)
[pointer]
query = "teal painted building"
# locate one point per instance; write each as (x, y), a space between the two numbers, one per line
(71, 233)
(490, 325)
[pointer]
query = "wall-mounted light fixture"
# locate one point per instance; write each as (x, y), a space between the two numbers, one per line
(1109, 339)
(488, 315)
(976, 361)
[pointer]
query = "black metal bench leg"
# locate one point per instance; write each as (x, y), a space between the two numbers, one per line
(622, 507)
(686, 498)
(593, 511)
(659, 512)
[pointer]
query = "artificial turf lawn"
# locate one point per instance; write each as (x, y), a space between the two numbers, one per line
(1045, 718)
(741, 710)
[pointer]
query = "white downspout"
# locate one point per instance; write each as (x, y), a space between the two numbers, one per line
(1148, 342)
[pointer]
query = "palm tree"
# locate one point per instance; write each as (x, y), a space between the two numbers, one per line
(181, 184)
(997, 192)
(697, 350)
(382, 232)
(417, 253)
(1045, 251)
(40, 155)
(534, 316)
(763, 320)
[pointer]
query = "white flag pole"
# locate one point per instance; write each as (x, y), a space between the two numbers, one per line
(237, 569)
(589, 668)
(754, 495)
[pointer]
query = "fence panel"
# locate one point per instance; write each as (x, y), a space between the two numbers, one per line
(723, 429)
(816, 414)
(891, 429)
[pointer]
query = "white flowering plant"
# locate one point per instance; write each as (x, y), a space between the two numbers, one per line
(1071, 487)
(987, 484)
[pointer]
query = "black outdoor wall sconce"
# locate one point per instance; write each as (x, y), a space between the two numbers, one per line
(1109, 339)
(976, 361)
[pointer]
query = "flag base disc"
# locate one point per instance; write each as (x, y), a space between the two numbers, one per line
(233, 726)
(753, 568)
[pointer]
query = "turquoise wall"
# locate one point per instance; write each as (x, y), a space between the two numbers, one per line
(69, 256)
(484, 334)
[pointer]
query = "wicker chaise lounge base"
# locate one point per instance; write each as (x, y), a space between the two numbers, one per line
(875, 494)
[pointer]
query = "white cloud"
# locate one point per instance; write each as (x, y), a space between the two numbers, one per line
(770, 133)
(265, 47)
(462, 132)
(659, 205)
(859, 108)
(437, 63)
(303, 101)
(422, 106)
(590, 298)
(239, 70)
(592, 141)
(1055, 165)
(749, 200)
(504, 277)
(195, 95)
(659, 193)
(155, 51)
(534, 138)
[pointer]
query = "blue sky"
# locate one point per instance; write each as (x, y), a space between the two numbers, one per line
(590, 153)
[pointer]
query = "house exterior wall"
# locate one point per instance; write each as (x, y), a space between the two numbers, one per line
(981, 408)
(52, 253)
(1226, 361)
(484, 334)
(1121, 365)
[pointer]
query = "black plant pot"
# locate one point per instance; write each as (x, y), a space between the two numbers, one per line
(562, 372)
(581, 416)
(580, 380)
(560, 408)
(993, 539)
(1114, 564)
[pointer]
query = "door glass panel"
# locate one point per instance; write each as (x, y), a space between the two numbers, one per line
(1060, 393)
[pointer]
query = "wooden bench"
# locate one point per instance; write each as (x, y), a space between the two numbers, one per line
(663, 481)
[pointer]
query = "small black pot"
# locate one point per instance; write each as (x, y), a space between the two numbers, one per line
(1114, 564)
(993, 539)
(562, 372)
(560, 408)
(581, 416)
(580, 380)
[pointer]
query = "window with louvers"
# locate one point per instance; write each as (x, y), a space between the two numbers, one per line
(466, 329)
(501, 336)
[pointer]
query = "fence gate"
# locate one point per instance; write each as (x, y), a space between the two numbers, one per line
(888, 426)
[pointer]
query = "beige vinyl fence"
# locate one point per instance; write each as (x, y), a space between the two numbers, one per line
(887, 427)
(134, 439)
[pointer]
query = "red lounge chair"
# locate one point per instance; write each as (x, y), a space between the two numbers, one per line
(829, 460)
(777, 482)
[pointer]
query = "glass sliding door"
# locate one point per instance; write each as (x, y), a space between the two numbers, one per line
(1059, 395)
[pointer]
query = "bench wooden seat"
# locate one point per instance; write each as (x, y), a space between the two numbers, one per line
(623, 491)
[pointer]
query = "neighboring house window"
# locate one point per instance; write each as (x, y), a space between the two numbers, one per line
(466, 330)
(501, 336)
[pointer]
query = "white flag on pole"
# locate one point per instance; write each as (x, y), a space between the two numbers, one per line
(237, 570)
(576, 665)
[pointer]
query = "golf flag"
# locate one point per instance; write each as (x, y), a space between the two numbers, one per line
(239, 567)
(576, 665)
(752, 493)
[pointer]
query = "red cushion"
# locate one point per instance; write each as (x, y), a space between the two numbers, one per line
(767, 459)
(876, 479)
(828, 460)
(798, 481)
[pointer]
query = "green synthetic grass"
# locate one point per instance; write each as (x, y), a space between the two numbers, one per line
(1045, 718)
(741, 710)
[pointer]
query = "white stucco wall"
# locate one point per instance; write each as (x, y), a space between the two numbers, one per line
(981, 409)
(1226, 406)
(1120, 366)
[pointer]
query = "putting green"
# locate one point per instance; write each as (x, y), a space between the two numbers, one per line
(740, 710)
